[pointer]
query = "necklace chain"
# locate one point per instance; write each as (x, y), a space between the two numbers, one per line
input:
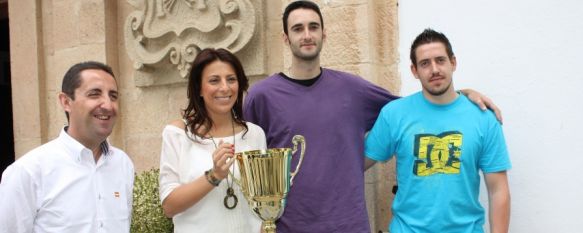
(230, 191)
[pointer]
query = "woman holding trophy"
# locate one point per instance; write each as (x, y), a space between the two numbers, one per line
(196, 163)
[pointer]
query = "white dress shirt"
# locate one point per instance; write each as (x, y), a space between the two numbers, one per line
(183, 160)
(58, 187)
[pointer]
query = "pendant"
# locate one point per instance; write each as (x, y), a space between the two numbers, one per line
(230, 194)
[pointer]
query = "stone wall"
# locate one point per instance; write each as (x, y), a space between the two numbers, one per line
(149, 43)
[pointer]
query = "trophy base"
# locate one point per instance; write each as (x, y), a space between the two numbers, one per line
(268, 226)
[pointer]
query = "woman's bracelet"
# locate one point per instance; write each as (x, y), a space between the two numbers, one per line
(211, 178)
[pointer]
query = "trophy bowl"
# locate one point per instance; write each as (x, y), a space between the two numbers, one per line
(266, 179)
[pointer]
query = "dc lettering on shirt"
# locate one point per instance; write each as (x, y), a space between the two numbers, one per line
(437, 154)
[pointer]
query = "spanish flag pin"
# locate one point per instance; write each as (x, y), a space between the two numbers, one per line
(116, 194)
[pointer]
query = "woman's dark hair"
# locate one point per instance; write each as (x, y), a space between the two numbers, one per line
(195, 114)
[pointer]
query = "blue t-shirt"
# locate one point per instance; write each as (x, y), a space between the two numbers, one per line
(333, 115)
(440, 150)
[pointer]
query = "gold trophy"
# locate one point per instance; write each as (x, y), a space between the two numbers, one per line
(266, 179)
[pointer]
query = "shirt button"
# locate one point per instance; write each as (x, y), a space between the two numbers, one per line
(101, 224)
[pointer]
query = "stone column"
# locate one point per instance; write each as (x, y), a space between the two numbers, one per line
(27, 74)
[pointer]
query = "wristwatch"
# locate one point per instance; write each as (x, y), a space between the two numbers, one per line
(211, 178)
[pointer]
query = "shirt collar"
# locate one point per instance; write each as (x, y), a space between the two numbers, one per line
(76, 149)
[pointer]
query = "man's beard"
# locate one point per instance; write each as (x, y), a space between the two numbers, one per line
(438, 92)
(307, 57)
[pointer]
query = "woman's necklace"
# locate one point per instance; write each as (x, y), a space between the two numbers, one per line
(230, 191)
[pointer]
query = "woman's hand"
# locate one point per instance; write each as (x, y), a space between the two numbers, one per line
(223, 159)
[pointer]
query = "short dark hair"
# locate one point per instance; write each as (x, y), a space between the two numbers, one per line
(72, 79)
(297, 5)
(196, 114)
(429, 36)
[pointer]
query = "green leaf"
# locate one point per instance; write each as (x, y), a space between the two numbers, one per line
(148, 216)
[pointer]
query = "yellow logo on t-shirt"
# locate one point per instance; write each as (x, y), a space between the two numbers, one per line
(437, 153)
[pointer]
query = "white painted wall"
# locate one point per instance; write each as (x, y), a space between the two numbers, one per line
(527, 56)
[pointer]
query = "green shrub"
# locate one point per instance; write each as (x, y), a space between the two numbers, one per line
(147, 216)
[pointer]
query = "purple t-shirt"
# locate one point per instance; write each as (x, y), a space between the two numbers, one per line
(333, 115)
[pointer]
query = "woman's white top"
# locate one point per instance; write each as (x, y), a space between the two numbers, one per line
(183, 160)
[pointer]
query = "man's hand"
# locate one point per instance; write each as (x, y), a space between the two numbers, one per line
(483, 102)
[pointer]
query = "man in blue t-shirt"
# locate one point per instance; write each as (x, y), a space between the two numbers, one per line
(441, 141)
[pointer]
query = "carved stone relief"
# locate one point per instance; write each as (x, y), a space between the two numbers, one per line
(162, 37)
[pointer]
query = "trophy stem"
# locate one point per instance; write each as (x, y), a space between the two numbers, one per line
(268, 226)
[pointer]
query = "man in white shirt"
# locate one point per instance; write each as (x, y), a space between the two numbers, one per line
(77, 182)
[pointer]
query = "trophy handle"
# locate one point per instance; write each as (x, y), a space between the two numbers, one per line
(296, 140)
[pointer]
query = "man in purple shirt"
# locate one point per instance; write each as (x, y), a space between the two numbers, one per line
(333, 110)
